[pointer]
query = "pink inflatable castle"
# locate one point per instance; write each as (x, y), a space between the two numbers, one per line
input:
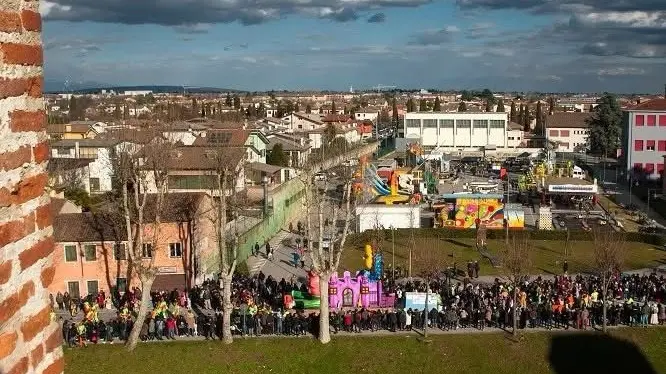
(356, 292)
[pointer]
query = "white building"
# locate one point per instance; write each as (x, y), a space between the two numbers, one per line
(458, 131)
(569, 131)
(137, 92)
(98, 152)
(298, 121)
(515, 135)
(373, 216)
(366, 115)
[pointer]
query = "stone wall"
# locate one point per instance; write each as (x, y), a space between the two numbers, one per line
(29, 341)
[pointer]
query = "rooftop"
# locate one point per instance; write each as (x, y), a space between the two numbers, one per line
(652, 105)
(567, 120)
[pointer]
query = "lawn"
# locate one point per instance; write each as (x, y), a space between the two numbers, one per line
(547, 256)
(628, 220)
(626, 350)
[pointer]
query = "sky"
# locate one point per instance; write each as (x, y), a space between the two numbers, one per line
(504, 45)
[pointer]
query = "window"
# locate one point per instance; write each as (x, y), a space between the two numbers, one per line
(70, 253)
(119, 251)
(640, 120)
(175, 250)
(90, 252)
(638, 145)
(649, 145)
(93, 287)
(554, 133)
(496, 124)
(662, 146)
(430, 123)
(662, 120)
(660, 169)
(446, 123)
(94, 184)
(480, 123)
(121, 284)
(413, 122)
(73, 289)
(147, 250)
(649, 168)
(464, 123)
(564, 133)
(638, 166)
(651, 120)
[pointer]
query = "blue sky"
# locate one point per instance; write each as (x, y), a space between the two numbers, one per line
(524, 45)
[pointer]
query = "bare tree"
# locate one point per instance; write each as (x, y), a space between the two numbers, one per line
(226, 175)
(325, 258)
(609, 249)
(516, 260)
(430, 260)
(135, 170)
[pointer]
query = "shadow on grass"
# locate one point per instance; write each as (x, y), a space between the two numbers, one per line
(546, 249)
(596, 353)
(546, 271)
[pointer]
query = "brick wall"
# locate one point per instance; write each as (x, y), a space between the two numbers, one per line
(29, 340)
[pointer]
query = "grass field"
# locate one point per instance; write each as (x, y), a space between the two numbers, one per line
(547, 256)
(625, 351)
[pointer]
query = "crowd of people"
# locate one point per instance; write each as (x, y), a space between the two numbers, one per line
(561, 302)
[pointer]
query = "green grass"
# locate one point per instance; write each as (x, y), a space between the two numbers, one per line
(547, 255)
(456, 353)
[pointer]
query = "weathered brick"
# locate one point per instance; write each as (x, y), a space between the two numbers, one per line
(35, 324)
(54, 341)
(57, 367)
(16, 301)
(21, 54)
(15, 230)
(38, 251)
(5, 272)
(25, 190)
(20, 120)
(41, 152)
(9, 22)
(7, 343)
(32, 21)
(47, 276)
(19, 86)
(21, 367)
(43, 216)
(12, 160)
(37, 355)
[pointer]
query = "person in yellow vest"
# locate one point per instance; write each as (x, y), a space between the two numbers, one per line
(125, 313)
(594, 296)
(81, 334)
(252, 310)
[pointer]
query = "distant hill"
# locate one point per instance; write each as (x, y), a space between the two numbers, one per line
(91, 87)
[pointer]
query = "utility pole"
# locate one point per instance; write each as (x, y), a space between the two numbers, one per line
(506, 209)
(393, 252)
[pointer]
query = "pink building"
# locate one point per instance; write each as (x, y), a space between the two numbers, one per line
(644, 140)
(91, 249)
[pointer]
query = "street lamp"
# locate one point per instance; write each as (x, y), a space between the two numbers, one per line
(264, 183)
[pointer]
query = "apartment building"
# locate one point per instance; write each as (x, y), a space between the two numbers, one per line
(569, 130)
(644, 139)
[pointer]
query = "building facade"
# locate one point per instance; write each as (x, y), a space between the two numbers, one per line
(458, 131)
(644, 139)
(569, 131)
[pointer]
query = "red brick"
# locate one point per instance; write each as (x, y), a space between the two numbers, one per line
(47, 276)
(20, 120)
(25, 190)
(57, 367)
(37, 355)
(12, 160)
(39, 251)
(54, 341)
(32, 21)
(21, 54)
(9, 22)
(20, 368)
(41, 152)
(19, 86)
(15, 230)
(15, 302)
(7, 344)
(5, 272)
(35, 324)
(43, 216)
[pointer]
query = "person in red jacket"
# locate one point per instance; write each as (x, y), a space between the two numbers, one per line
(171, 327)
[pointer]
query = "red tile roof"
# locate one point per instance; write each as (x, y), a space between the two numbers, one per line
(656, 105)
(568, 120)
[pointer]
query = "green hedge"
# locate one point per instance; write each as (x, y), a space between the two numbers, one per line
(365, 237)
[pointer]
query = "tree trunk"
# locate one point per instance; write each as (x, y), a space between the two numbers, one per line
(227, 307)
(603, 299)
(324, 328)
(146, 287)
(425, 324)
(514, 311)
